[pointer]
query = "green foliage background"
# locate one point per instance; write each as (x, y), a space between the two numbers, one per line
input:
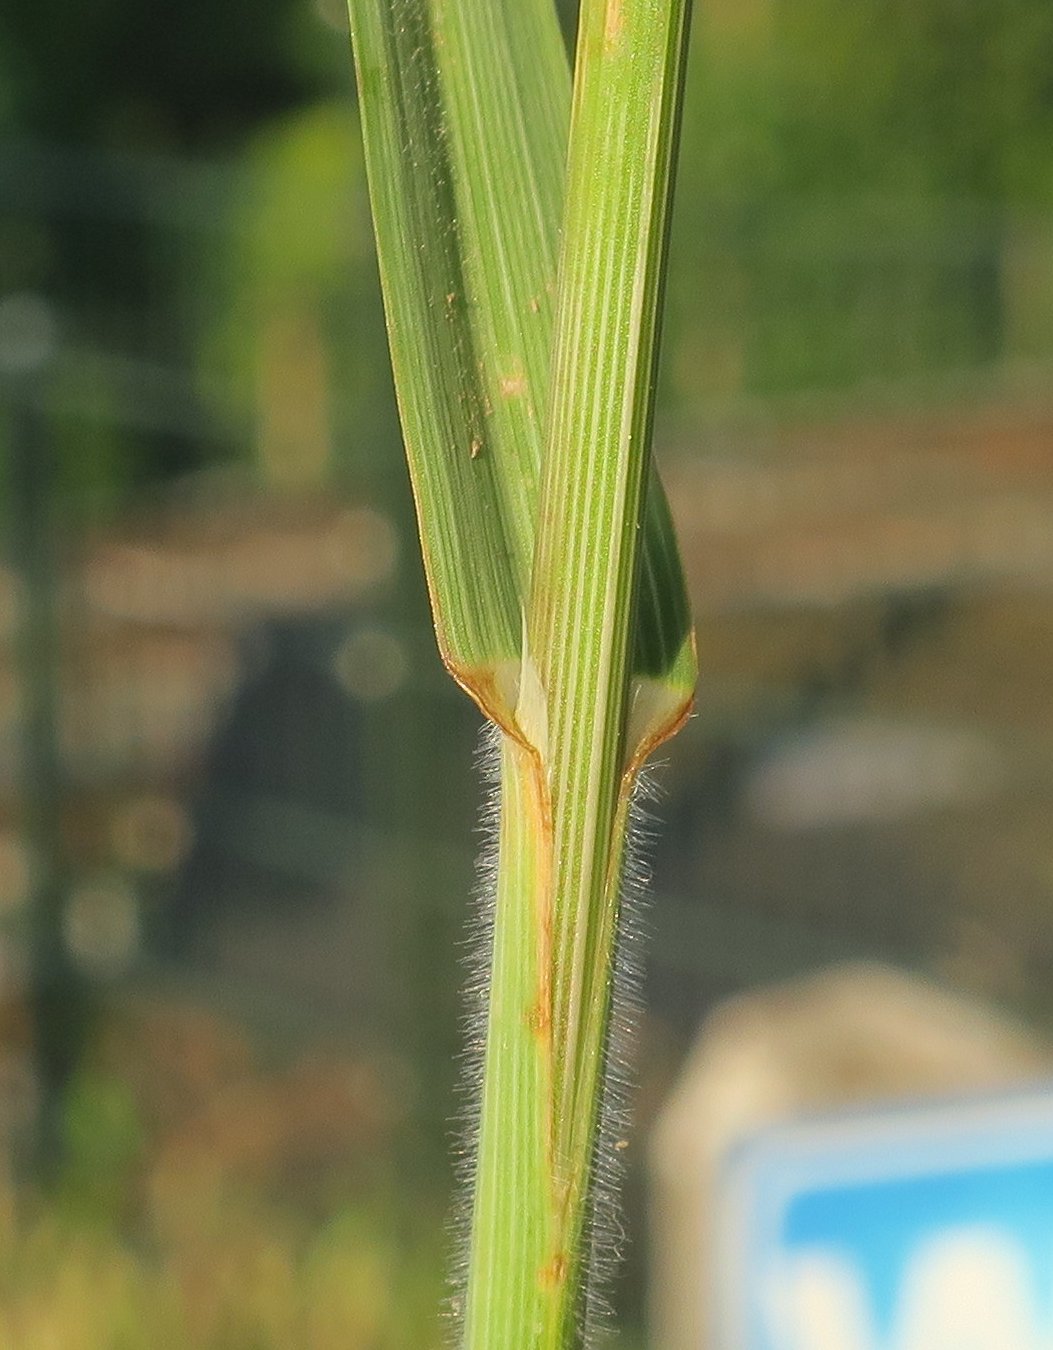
(865, 204)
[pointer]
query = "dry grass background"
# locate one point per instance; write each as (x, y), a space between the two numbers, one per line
(212, 1201)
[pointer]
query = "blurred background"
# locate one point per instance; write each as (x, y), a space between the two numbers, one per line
(238, 804)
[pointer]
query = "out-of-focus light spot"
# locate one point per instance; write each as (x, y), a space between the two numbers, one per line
(15, 873)
(364, 546)
(857, 773)
(151, 834)
(371, 664)
(102, 928)
(28, 334)
(333, 14)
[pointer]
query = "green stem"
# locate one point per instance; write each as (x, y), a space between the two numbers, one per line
(511, 1216)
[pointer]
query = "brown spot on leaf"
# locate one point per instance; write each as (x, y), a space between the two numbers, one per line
(538, 1019)
(514, 385)
(613, 23)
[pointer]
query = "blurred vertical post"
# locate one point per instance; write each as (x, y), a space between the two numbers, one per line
(28, 340)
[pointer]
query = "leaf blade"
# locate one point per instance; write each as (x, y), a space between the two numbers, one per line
(465, 111)
(475, 601)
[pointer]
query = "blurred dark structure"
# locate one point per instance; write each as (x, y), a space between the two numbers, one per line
(290, 747)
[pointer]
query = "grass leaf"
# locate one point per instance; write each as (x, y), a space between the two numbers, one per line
(556, 586)
(465, 110)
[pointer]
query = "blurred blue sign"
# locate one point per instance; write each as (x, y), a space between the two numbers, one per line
(922, 1229)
